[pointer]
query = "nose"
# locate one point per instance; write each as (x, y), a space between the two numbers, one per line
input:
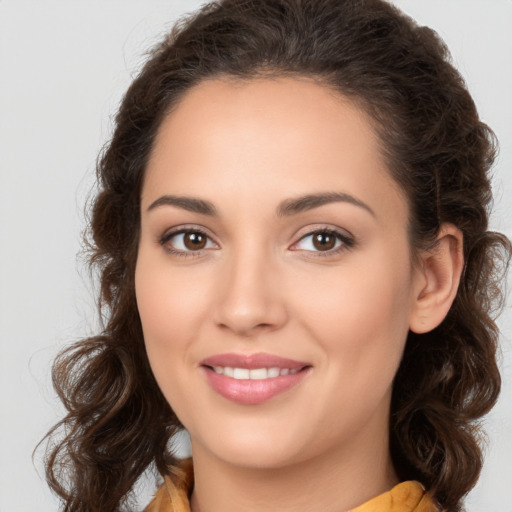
(250, 298)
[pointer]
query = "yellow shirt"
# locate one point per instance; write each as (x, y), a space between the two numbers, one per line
(405, 497)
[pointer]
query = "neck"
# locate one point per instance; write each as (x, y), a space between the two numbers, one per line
(334, 482)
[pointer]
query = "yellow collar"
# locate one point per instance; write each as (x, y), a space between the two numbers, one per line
(405, 497)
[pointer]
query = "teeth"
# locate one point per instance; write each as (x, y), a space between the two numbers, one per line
(253, 374)
(258, 373)
(240, 373)
(274, 372)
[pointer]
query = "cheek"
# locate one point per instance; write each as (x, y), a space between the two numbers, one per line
(170, 300)
(168, 306)
(361, 318)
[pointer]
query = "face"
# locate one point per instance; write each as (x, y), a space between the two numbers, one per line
(274, 277)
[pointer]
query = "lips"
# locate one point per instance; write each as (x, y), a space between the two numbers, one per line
(252, 379)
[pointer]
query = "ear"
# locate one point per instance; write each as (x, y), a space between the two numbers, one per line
(438, 276)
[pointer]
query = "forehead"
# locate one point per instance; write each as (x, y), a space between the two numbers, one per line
(268, 116)
(267, 136)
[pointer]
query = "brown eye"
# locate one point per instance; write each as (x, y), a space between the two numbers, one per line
(185, 242)
(324, 241)
(194, 241)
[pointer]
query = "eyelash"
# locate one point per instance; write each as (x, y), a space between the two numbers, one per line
(347, 242)
(164, 242)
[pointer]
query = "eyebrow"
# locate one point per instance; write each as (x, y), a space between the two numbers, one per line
(311, 201)
(286, 208)
(190, 204)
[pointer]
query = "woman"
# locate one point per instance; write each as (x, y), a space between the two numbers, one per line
(295, 267)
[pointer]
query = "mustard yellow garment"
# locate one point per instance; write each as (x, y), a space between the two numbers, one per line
(405, 497)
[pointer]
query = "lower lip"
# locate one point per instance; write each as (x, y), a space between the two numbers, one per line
(249, 391)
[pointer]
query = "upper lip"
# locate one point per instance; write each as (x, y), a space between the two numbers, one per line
(252, 361)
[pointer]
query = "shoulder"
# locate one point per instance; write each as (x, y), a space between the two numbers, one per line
(173, 494)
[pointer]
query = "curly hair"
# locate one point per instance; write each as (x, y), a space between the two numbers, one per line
(118, 422)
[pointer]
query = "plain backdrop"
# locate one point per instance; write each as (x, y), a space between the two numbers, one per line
(63, 68)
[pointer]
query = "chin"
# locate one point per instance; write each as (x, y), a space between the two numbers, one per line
(256, 446)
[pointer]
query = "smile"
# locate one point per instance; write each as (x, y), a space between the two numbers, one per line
(253, 374)
(252, 379)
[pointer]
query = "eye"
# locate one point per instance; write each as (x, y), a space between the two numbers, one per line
(183, 242)
(327, 241)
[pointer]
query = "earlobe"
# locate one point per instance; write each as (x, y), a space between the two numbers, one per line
(440, 270)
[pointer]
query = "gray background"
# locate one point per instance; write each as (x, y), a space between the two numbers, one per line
(63, 68)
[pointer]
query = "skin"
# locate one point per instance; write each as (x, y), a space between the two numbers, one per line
(260, 285)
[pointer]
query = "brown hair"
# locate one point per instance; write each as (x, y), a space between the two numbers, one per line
(118, 422)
